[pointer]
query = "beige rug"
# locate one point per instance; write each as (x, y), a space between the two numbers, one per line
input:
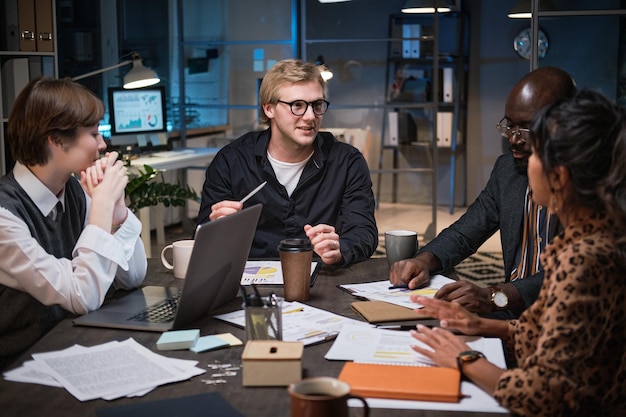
(483, 268)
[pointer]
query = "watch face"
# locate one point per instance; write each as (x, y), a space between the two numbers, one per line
(500, 299)
(522, 44)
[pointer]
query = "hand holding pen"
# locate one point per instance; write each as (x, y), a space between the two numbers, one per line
(253, 192)
(228, 207)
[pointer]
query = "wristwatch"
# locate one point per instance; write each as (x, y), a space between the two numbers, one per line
(466, 357)
(499, 298)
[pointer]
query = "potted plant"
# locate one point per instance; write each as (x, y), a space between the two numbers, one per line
(148, 188)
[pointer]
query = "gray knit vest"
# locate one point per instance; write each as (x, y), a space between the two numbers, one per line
(23, 319)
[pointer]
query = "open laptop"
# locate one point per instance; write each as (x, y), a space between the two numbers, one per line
(216, 264)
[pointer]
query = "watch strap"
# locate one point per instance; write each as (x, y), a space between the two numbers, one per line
(466, 357)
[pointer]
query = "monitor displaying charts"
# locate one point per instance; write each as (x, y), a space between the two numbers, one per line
(138, 117)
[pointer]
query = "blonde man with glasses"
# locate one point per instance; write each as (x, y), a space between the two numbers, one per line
(317, 187)
(505, 204)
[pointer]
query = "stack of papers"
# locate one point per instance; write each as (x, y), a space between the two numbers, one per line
(382, 291)
(109, 371)
(374, 345)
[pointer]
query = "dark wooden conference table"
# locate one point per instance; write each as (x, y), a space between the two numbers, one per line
(21, 399)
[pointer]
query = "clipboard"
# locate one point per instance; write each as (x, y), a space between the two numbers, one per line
(381, 312)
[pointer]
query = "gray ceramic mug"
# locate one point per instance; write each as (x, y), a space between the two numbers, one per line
(400, 244)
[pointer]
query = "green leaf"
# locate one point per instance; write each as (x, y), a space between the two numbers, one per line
(148, 188)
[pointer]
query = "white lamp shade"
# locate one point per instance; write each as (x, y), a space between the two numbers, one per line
(521, 10)
(140, 76)
(425, 6)
(326, 73)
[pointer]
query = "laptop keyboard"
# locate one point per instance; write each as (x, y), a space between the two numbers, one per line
(163, 312)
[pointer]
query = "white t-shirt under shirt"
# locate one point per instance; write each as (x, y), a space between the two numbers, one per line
(288, 173)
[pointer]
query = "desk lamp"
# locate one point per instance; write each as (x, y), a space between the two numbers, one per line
(326, 73)
(426, 6)
(139, 76)
(522, 9)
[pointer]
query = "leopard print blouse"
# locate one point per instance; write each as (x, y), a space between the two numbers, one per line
(570, 345)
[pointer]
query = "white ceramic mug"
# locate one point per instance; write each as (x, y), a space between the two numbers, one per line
(400, 244)
(181, 252)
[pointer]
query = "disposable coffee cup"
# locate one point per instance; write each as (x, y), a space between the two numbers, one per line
(296, 256)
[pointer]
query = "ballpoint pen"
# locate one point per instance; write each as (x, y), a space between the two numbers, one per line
(272, 309)
(253, 192)
(399, 286)
(255, 316)
(397, 327)
(244, 295)
(294, 310)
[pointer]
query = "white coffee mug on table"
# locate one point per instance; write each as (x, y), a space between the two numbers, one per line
(181, 252)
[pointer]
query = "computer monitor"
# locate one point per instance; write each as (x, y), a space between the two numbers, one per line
(138, 118)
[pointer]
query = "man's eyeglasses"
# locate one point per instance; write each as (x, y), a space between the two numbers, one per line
(508, 131)
(299, 107)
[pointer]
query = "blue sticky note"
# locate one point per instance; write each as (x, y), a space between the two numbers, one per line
(208, 343)
(178, 339)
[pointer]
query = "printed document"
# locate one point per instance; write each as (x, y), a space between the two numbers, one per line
(370, 344)
(382, 291)
(265, 272)
(108, 371)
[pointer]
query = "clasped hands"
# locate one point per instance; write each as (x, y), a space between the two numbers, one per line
(105, 183)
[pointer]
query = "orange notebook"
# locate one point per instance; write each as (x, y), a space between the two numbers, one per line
(401, 382)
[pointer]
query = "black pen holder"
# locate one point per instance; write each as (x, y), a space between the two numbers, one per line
(264, 322)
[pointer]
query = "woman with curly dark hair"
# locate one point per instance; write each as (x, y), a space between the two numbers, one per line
(570, 345)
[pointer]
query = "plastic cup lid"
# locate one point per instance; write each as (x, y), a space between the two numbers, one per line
(295, 245)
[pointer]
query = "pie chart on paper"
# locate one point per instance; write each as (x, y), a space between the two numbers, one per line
(267, 270)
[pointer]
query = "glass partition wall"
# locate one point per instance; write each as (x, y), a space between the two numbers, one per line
(223, 48)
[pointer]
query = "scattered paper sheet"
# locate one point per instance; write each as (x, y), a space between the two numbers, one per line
(108, 371)
(30, 373)
(371, 344)
(382, 291)
(363, 344)
(302, 322)
(265, 272)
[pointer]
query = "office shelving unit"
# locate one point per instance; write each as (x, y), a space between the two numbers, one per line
(23, 57)
(426, 97)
